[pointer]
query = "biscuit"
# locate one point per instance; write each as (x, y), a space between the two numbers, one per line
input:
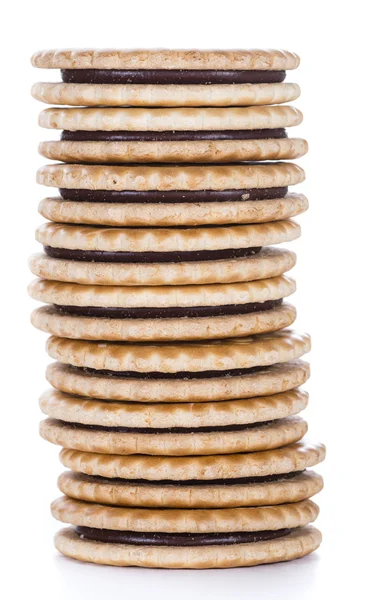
(112, 441)
(89, 94)
(269, 262)
(291, 487)
(118, 214)
(262, 382)
(186, 359)
(294, 457)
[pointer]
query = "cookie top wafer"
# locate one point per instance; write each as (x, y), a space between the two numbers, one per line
(170, 177)
(120, 214)
(270, 380)
(76, 512)
(88, 238)
(170, 119)
(238, 353)
(89, 94)
(69, 294)
(294, 457)
(278, 489)
(165, 59)
(66, 407)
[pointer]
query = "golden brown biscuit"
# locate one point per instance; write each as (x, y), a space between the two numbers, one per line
(269, 262)
(188, 357)
(110, 441)
(280, 489)
(118, 214)
(269, 380)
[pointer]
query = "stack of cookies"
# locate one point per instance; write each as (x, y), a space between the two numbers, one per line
(176, 388)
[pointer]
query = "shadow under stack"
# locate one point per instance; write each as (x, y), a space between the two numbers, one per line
(176, 387)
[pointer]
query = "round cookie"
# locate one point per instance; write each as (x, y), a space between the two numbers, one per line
(188, 359)
(50, 320)
(288, 459)
(115, 440)
(119, 135)
(267, 381)
(260, 491)
(168, 179)
(73, 409)
(120, 214)
(245, 94)
(162, 313)
(173, 521)
(150, 59)
(269, 262)
(296, 544)
(161, 245)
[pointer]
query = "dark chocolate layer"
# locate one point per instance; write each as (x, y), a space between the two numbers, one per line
(166, 136)
(154, 430)
(172, 196)
(196, 482)
(176, 376)
(148, 257)
(170, 76)
(177, 539)
(170, 312)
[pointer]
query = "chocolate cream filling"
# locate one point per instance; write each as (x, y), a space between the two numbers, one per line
(168, 136)
(172, 196)
(196, 482)
(177, 539)
(148, 257)
(178, 375)
(156, 430)
(169, 312)
(170, 76)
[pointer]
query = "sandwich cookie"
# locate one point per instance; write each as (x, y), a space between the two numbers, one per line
(184, 529)
(263, 381)
(158, 313)
(175, 430)
(120, 135)
(148, 533)
(297, 543)
(122, 214)
(167, 77)
(189, 360)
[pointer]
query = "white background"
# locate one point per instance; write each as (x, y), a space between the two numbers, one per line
(330, 298)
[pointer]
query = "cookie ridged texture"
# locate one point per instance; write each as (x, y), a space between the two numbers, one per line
(275, 434)
(170, 119)
(89, 94)
(172, 177)
(88, 58)
(71, 294)
(208, 495)
(174, 151)
(298, 543)
(274, 379)
(83, 514)
(50, 320)
(70, 408)
(78, 237)
(236, 353)
(186, 213)
(294, 457)
(269, 262)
